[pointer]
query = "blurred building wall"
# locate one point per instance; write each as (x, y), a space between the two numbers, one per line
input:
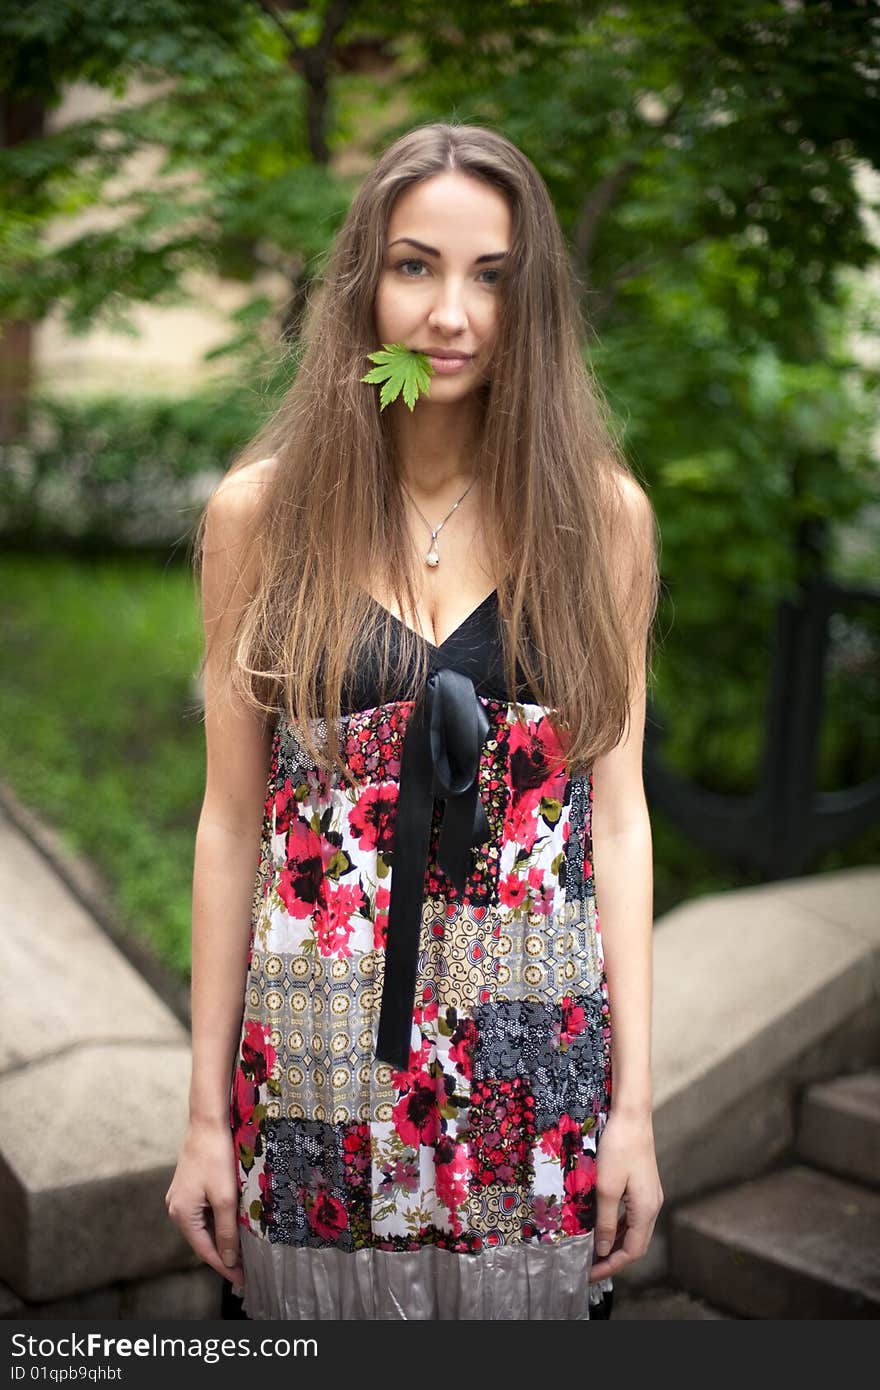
(167, 355)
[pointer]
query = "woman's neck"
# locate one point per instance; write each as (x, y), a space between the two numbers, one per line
(436, 449)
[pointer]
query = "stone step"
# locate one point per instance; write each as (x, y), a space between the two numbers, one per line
(839, 1126)
(94, 1075)
(793, 1244)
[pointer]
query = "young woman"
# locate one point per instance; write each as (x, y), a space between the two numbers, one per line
(421, 1069)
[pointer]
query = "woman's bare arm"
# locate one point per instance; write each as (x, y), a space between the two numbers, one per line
(238, 747)
(623, 867)
(622, 863)
(203, 1196)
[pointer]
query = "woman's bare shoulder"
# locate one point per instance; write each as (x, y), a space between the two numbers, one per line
(242, 484)
(233, 506)
(231, 559)
(633, 496)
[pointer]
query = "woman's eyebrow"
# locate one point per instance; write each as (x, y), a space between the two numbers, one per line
(432, 250)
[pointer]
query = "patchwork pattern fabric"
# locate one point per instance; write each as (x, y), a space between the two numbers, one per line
(489, 1137)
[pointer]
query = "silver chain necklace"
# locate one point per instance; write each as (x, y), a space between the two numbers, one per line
(433, 556)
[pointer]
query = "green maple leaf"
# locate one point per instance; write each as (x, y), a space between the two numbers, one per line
(400, 369)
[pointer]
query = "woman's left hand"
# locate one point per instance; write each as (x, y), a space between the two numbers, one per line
(626, 1169)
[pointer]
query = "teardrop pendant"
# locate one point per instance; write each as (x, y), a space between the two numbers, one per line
(433, 557)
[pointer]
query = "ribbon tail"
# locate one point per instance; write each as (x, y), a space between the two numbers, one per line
(440, 758)
(411, 843)
(464, 824)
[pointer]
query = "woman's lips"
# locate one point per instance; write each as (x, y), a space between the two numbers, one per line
(448, 364)
(443, 352)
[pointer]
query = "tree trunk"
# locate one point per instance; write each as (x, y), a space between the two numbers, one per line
(21, 119)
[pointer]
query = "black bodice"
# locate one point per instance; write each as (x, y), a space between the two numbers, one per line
(474, 649)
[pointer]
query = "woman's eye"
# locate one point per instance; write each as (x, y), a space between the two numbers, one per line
(410, 261)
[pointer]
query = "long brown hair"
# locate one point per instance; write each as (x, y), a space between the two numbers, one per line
(331, 510)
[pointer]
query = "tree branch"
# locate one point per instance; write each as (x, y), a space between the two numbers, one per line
(599, 200)
(606, 192)
(314, 64)
(316, 69)
(269, 9)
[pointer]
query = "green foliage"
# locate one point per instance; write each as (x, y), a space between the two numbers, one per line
(237, 191)
(46, 44)
(740, 450)
(720, 140)
(117, 471)
(704, 161)
(400, 369)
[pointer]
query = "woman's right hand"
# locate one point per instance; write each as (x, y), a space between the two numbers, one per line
(203, 1197)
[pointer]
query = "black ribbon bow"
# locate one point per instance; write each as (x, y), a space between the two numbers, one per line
(440, 758)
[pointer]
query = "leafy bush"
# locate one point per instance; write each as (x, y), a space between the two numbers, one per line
(119, 471)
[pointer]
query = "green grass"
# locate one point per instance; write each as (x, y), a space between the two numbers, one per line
(100, 730)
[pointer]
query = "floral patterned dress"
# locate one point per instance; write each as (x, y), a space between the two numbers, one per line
(424, 1066)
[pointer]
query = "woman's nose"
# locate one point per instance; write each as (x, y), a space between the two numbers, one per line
(449, 310)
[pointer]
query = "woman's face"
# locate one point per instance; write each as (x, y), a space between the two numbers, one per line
(444, 291)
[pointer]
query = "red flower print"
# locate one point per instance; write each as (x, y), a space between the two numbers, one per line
(548, 1214)
(333, 920)
(371, 744)
(533, 756)
(513, 891)
(451, 1171)
(421, 1055)
(357, 763)
(553, 1141)
(301, 882)
(416, 1116)
(575, 1217)
(256, 1060)
(372, 819)
(245, 1130)
(284, 804)
(257, 1053)
(521, 821)
(430, 1008)
(243, 1100)
(462, 1047)
(419, 1058)
(326, 1216)
(380, 918)
(579, 1211)
(540, 892)
(583, 1177)
(356, 1147)
(573, 1023)
(579, 1183)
